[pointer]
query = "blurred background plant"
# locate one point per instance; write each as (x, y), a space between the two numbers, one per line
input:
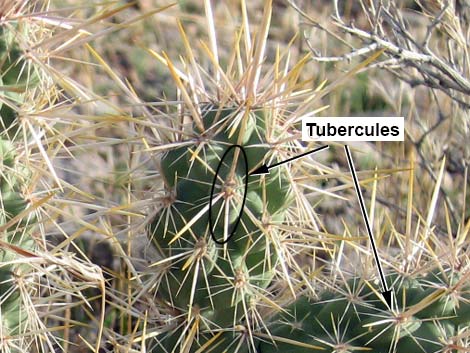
(423, 75)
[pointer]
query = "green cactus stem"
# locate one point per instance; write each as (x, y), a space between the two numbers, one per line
(428, 312)
(219, 270)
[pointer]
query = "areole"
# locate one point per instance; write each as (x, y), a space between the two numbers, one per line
(211, 223)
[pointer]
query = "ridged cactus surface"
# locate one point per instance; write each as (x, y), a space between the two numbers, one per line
(18, 79)
(215, 226)
(429, 313)
(18, 74)
(17, 235)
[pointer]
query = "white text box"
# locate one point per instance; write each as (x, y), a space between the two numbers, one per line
(353, 129)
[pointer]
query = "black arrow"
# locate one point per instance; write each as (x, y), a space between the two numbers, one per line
(264, 169)
(387, 293)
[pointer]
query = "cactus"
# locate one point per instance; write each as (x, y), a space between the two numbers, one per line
(215, 282)
(18, 74)
(228, 240)
(219, 230)
(214, 228)
(18, 78)
(428, 313)
(17, 235)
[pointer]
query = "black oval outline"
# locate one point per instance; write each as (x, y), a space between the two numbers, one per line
(212, 195)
